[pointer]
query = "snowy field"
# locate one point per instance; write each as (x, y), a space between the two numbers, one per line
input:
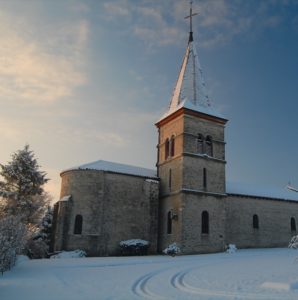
(247, 274)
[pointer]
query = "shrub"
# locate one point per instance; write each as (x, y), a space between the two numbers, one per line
(12, 239)
(294, 242)
(172, 250)
(134, 247)
(37, 248)
(231, 248)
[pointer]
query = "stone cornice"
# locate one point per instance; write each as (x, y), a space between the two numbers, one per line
(193, 191)
(204, 156)
(186, 111)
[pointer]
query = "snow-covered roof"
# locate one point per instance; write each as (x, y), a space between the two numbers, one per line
(186, 103)
(245, 189)
(103, 165)
(65, 198)
(190, 90)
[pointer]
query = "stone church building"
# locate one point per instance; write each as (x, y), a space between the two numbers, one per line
(186, 200)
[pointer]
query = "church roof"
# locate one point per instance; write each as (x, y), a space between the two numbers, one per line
(253, 190)
(190, 89)
(103, 165)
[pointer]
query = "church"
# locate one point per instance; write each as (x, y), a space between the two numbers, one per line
(186, 199)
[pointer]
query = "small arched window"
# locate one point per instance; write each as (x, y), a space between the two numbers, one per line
(255, 221)
(205, 222)
(293, 224)
(209, 146)
(172, 143)
(169, 222)
(205, 178)
(78, 224)
(170, 179)
(167, 148)
(200, 143)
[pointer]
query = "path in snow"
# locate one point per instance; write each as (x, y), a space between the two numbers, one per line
(247, 274)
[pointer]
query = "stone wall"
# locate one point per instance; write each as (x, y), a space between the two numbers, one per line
(193, 167)
(169, 203)
(114, 207)
(194, 125)
(274, 221)
(185, 194)
(193, 240)
(172, 128)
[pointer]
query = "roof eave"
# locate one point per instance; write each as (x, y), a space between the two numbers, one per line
(188, 111)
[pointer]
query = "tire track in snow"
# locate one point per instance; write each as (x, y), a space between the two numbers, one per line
(178, 281)
(140, 287)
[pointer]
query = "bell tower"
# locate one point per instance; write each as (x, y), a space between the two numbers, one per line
(191, 163)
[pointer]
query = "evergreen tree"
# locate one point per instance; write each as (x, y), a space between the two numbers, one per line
(38, 246)
(46, 226)
(22, 187)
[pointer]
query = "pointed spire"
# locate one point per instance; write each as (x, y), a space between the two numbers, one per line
(190, 89)
(190, 84)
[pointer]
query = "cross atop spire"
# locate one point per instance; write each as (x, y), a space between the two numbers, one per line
(190, 22)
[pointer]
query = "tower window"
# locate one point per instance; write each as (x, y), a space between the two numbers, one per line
(209, 146)
(205, 222)
(170, 179)
(169, 222)
(255, 221)
(205, 178)
(293, 224)
(78, 224)
(172, 143)
(167, 148)
(200, 143)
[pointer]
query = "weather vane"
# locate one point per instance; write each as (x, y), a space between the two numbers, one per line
(190, 22)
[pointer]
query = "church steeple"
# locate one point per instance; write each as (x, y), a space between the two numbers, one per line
(191, 162)
(190, 89)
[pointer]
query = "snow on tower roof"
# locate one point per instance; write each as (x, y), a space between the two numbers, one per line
(252, 190)
(190, 89)
(103, 165)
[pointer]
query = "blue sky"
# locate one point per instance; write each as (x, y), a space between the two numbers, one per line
(86, 80)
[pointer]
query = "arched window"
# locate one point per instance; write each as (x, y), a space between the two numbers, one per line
(200, 143)
(170, 179)
(205, 222)
(167, 148)
(169, 222)
(293, 224)
(255, 221)
(205, 178)
(78, 224)
(209, 146)
(172, 143)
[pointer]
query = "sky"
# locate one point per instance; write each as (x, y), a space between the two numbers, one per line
(87, 80)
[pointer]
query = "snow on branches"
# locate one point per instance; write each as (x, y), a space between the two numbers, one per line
(12, 240)
(23, 203)
(294, 242)
(22, 186)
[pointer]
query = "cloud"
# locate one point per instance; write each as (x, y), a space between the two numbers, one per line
(116, 9)
(32, 66)
(219, 22)
(148, 21)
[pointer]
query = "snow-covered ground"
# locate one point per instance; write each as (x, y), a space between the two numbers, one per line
(246, 274)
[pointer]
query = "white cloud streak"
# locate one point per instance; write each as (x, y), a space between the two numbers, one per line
(32, 67)
(219, 21)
